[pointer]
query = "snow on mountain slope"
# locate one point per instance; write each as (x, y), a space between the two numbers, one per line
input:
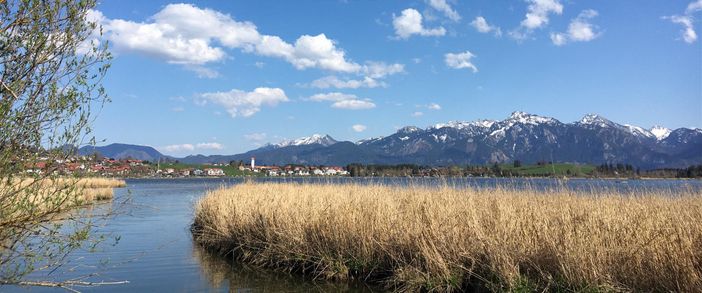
(660, 132)
(324, 140)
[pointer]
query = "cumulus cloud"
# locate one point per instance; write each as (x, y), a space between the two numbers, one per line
(460, 60)
(209, 146)
(445, 8)
(688, 33)
(579, 30)
(537, 16)
(381, 69)
(417, 114)
(187, 147)
(353, 104)
(538, 12)
(434, 106)
(358, 127)
(410, 23)
(177, 148)
(335, 82)
(372, 73)
(481, 25)
(191, 36)
(245, 104)
(344, 101)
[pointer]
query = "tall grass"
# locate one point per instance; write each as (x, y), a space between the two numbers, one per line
(423, 238)
(55, 193)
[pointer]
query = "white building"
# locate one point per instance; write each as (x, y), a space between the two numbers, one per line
(214, 172)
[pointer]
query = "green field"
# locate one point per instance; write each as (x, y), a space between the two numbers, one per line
(550, 169)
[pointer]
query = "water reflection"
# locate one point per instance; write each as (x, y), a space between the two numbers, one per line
(223, 274)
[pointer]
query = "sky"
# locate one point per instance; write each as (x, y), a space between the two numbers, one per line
(224, 77)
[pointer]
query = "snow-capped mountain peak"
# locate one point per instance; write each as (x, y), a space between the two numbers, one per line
(660, 132)
(594, 119)
(464, 124)
(638, 131)
(367, 140)
(324, 140)
(526, 118)
(408, 129)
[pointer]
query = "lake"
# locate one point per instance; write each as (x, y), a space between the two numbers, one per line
(156, 252)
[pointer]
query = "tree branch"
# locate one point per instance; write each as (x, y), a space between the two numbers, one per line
(64, 285)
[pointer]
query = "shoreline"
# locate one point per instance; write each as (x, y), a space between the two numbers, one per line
(404, 177)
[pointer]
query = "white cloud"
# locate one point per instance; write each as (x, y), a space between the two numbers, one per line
(481, 25)
(694, 7)
(460, 60)
(245, 104)
(444, 7)
(209, 146)
(538, 12)
(201, 71)
(410, 23)
(178, 109)
(332, 97)
(353, 104)
(579, 30)
(188, 35)
(333, 81)
(417, 114)
(187, 147)
(358, 127)
(381, 69)
(256, 137)
(344, 101)
(559, 39)
(175, 35)
(537, 16)
(689, 35)
(321, 52)
(434, 106)
(372, 71)
(176, 148)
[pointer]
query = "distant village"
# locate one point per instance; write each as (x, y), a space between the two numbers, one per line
(95, 166)
(108, 167)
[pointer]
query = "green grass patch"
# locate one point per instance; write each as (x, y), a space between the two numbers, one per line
(550, 169)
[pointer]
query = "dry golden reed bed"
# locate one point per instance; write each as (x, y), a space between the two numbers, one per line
(71, 190)
(422, 238)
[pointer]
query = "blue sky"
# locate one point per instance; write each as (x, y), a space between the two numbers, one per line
(224, 77)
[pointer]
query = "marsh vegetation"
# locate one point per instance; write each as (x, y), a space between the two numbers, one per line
(442, 238)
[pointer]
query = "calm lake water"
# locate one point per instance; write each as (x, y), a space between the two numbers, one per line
(156, 253)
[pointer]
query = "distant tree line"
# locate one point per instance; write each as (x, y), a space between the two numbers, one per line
(616, 170)
(412, 170)
(694, 171)
(497, 170)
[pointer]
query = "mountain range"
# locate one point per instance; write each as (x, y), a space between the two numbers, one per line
(522, 136)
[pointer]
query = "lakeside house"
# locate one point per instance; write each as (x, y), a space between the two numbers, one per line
(213, 172)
